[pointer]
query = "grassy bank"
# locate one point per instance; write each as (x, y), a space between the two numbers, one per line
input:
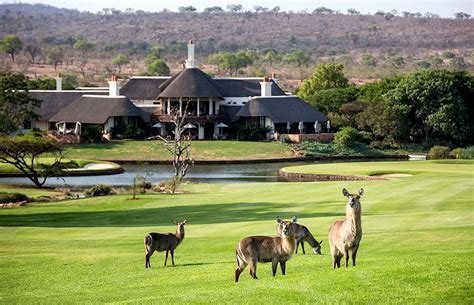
(9, 168)
(417, 243)
(200, 150)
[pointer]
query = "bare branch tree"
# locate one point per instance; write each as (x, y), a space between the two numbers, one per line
(179, 146)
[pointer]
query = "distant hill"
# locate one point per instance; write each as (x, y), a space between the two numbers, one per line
(334, 33)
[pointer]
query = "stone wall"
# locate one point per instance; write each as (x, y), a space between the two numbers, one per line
(318, 137)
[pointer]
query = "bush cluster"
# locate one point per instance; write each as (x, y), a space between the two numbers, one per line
(100, 190)
(444, 152)
(12, 197)
(347, 136)
(92, 134)
(252, 133)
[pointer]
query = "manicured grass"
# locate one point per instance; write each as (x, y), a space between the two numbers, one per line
(200, 150)
(388, 167)
(417, 245)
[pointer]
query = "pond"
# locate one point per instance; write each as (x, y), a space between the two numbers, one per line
(222, 173)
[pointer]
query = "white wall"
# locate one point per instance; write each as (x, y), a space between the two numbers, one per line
(234, 101)
(41, 125)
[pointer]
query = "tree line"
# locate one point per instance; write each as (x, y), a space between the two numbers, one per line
(426, 107)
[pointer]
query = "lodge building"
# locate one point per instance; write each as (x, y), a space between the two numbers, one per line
(209, 103)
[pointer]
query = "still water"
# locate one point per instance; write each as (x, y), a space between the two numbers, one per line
(222, 173)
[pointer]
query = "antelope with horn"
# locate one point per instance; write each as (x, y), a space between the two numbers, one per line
(164, 242)
(345, 235)
(253, 249)
(302, 235)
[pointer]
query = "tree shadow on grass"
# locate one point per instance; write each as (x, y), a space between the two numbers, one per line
(196, 214)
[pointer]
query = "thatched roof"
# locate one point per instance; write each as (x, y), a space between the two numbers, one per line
(53, 101)
(281, 109)
(243, 87)
(96, 109)
(190, 82)
(143, 88)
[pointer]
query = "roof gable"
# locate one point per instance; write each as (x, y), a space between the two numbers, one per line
(236, 87)
(143, 88)
(95, 109)
(53, 101)
(190, 82)
(281, 109)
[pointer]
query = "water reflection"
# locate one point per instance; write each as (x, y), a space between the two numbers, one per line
(222, 173)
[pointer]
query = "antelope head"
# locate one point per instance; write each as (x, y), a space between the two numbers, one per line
(285, 228)
(353, 201)
(317, 249)
(180, 225)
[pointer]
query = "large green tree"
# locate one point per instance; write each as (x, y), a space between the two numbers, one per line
(84, 47)
(439, 102)
(327, 88)
(299, 58)
(232, 62)
(119, 61)
(12, 45)
(24, 153)
(16, 105)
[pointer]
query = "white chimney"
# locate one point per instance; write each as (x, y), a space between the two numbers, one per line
(266, 86)
(114, 88)
(59, 82)
(190, 62)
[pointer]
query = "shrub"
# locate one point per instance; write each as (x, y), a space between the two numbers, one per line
(251, 133)
(142, 184)
(12, 197)
(284, 138)
(463, 153)
(347, 136)
(133, 132)
(100, 190)
(92, 134)
(439, 152)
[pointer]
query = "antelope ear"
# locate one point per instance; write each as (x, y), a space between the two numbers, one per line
(278, 219)
(345, 192)
(361, 192)
(321, 242)
(294, 219)
(185, 221)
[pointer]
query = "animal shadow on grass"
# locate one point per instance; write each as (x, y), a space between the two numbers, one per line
(198, 214)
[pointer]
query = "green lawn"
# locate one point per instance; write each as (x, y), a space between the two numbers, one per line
(417, 246)
(200, 150)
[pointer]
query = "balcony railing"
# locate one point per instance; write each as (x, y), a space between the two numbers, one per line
(214, 118)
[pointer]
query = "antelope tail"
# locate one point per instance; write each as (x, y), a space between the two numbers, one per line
(148, 241)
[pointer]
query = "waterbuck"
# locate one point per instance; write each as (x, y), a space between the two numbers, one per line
(164, 242)
(253, 249)
(302, 235)
(345, 235)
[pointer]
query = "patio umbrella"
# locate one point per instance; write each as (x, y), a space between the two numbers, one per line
(157, 125)
(189, 126)
(316, 126)
(301, 127)
(288, 126)
(220, 126)
(328, 125)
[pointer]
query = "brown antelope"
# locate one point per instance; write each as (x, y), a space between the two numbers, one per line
(302, 235)
(253, 249)
(164, 242)
(345, 235)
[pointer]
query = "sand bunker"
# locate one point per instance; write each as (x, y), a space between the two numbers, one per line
(399, 175)
(96, 166)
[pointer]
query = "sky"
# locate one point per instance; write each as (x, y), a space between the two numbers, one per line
(445, 8)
